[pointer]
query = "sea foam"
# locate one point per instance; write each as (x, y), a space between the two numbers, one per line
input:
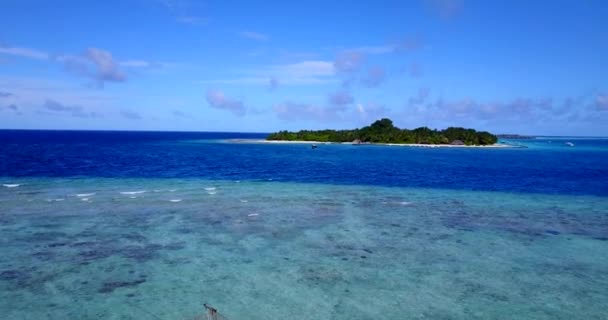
(11, 185)
(81, 195)
(132, 192)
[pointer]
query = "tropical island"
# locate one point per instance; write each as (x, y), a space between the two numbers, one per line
(384, 132)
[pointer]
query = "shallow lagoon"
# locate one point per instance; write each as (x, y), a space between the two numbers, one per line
(285, 250)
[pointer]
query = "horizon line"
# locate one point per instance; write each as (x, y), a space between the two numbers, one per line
(258, 132)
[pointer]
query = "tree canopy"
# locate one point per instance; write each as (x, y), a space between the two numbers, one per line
(383, 131)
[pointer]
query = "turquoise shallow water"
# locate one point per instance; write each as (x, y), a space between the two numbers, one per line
(100, 248)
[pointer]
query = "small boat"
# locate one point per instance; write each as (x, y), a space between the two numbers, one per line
(314, 146)
(570, 144)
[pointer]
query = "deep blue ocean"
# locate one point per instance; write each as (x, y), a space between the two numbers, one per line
(151, 225)
(545, 165)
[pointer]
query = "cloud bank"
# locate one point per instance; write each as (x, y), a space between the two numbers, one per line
(340, 98)
(56, 108)
(601, 102)
(348, 61)
(24, 53)
(218, 100)
(375, 76)
(131, 115)
(96, 64)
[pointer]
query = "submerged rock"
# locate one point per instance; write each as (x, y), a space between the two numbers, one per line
(140, 253)
(20, 278)
(109, 287)
(9, 275)
(320, 275)
(57, 244)
(135, 237)
(43, 255)
(175, 245)
(95, 254)
(45, 236)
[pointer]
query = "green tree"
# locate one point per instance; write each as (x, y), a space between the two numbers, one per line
(384, 131)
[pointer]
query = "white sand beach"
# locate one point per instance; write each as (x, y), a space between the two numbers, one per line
(418, 145)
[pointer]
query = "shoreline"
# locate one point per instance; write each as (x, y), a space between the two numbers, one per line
(415, 145)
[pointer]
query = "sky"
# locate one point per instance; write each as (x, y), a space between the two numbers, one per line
(526, 67)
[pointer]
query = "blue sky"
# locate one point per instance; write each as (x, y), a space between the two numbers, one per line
(530, 67)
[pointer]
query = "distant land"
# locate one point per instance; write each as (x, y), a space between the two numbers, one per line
(384, 132)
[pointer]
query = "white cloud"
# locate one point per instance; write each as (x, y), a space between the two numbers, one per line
(446, 9)
(94, 63)
(373, 49)
(217, 99)
(53, 107)
(24, 53)
(131, 115)
(409, 44)
(303, 69)
(338, 108)
(138, 64)
(291, 111)
(308, 72)
(414, 70)
(374, 77)
(264, 81)
(348, 61)
(371, 111)
(304, 72)
(420, 98)
(340, 98)
(360, 108)
(31, 93)
(252, 35)
(191, 20)
(183, 11)
(238, 81)
(12, 108)
(520, 110)
(273, 82)
(601, 102)
(107, 68)
(180, 114)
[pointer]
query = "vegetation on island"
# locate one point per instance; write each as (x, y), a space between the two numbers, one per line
(383, 131)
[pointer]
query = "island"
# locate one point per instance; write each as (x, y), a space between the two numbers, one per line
(384, 132)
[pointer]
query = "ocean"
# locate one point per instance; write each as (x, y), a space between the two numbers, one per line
(151, 225)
